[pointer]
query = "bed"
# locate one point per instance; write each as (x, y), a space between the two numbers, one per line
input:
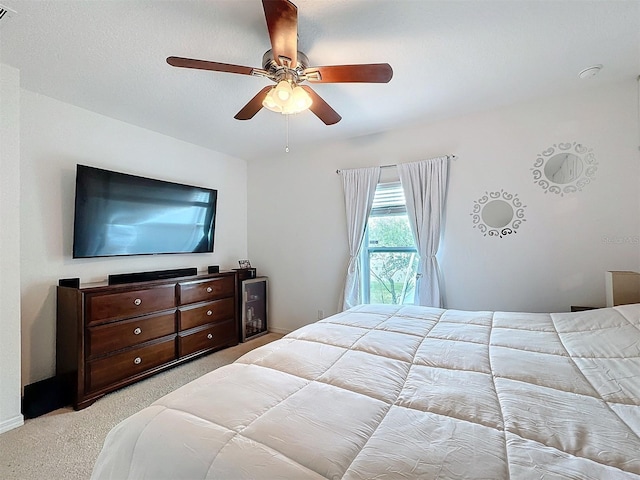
(388, 392)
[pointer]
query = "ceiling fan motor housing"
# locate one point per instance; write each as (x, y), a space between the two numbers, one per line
(278, 71)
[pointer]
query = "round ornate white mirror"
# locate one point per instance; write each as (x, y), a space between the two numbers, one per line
(498, 214)
(564, 168)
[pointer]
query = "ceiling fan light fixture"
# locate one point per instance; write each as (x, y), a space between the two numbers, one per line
(283, 91)
(270, 103)
(297, 101)
(301, 99)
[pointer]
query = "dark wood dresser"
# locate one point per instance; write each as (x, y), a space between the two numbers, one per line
(109, 336)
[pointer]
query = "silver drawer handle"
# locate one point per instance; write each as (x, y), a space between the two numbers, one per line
(210, 336)
(137, 361)
(137, 301)
(209, 312)
(209, 289)
(137, 331)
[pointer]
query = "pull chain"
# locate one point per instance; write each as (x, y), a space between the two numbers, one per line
(286, 148)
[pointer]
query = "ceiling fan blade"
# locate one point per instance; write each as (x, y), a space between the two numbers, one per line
(321, 109)
(282, 23)
(366, 73)
(204, 65)
(254, 105)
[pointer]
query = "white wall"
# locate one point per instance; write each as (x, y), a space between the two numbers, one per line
(55, 137)
(10, 416)
(297, 232)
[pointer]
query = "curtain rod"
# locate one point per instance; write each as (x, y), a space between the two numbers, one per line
(449, 157)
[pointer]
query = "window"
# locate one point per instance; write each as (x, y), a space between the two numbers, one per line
(389, 257)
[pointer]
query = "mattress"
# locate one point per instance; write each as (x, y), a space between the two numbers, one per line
(388, 392)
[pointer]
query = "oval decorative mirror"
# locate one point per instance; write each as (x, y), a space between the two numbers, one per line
(498, 214)
(564, 168)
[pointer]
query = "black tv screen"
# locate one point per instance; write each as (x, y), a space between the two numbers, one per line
(121, 214)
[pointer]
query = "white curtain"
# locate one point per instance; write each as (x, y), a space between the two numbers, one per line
(359, 188)
(425, 188)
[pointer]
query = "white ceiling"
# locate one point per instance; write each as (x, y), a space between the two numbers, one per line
(449, 58)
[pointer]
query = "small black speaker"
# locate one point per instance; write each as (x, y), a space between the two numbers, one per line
(214, 269)
(46, 396)
(69, 282)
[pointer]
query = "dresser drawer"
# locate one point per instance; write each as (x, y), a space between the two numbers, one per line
(193, 316)
(212, 336)
(107, 338)
(108, 370)
(204, 290)
(129, 303)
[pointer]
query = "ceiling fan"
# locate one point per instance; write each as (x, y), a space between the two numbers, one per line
(288, 68)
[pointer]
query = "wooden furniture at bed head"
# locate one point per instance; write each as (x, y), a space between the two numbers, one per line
(622, 288)
(109, 336)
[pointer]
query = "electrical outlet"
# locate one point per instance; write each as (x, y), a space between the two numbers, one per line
(320, 314)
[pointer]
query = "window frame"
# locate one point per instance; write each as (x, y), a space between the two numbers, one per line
(392, 193)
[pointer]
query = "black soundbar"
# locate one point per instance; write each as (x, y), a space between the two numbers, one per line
(147, 276)
(69, 282)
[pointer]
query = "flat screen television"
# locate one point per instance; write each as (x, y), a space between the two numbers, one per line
(122, 214)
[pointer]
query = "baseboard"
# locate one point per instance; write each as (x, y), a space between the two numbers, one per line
(281, 331)
(11, 423)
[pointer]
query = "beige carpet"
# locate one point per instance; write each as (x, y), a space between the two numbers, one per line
(64, 444)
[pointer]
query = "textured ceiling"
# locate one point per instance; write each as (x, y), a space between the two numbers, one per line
(449, 58)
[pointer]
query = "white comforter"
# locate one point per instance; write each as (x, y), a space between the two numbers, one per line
(382, 392)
